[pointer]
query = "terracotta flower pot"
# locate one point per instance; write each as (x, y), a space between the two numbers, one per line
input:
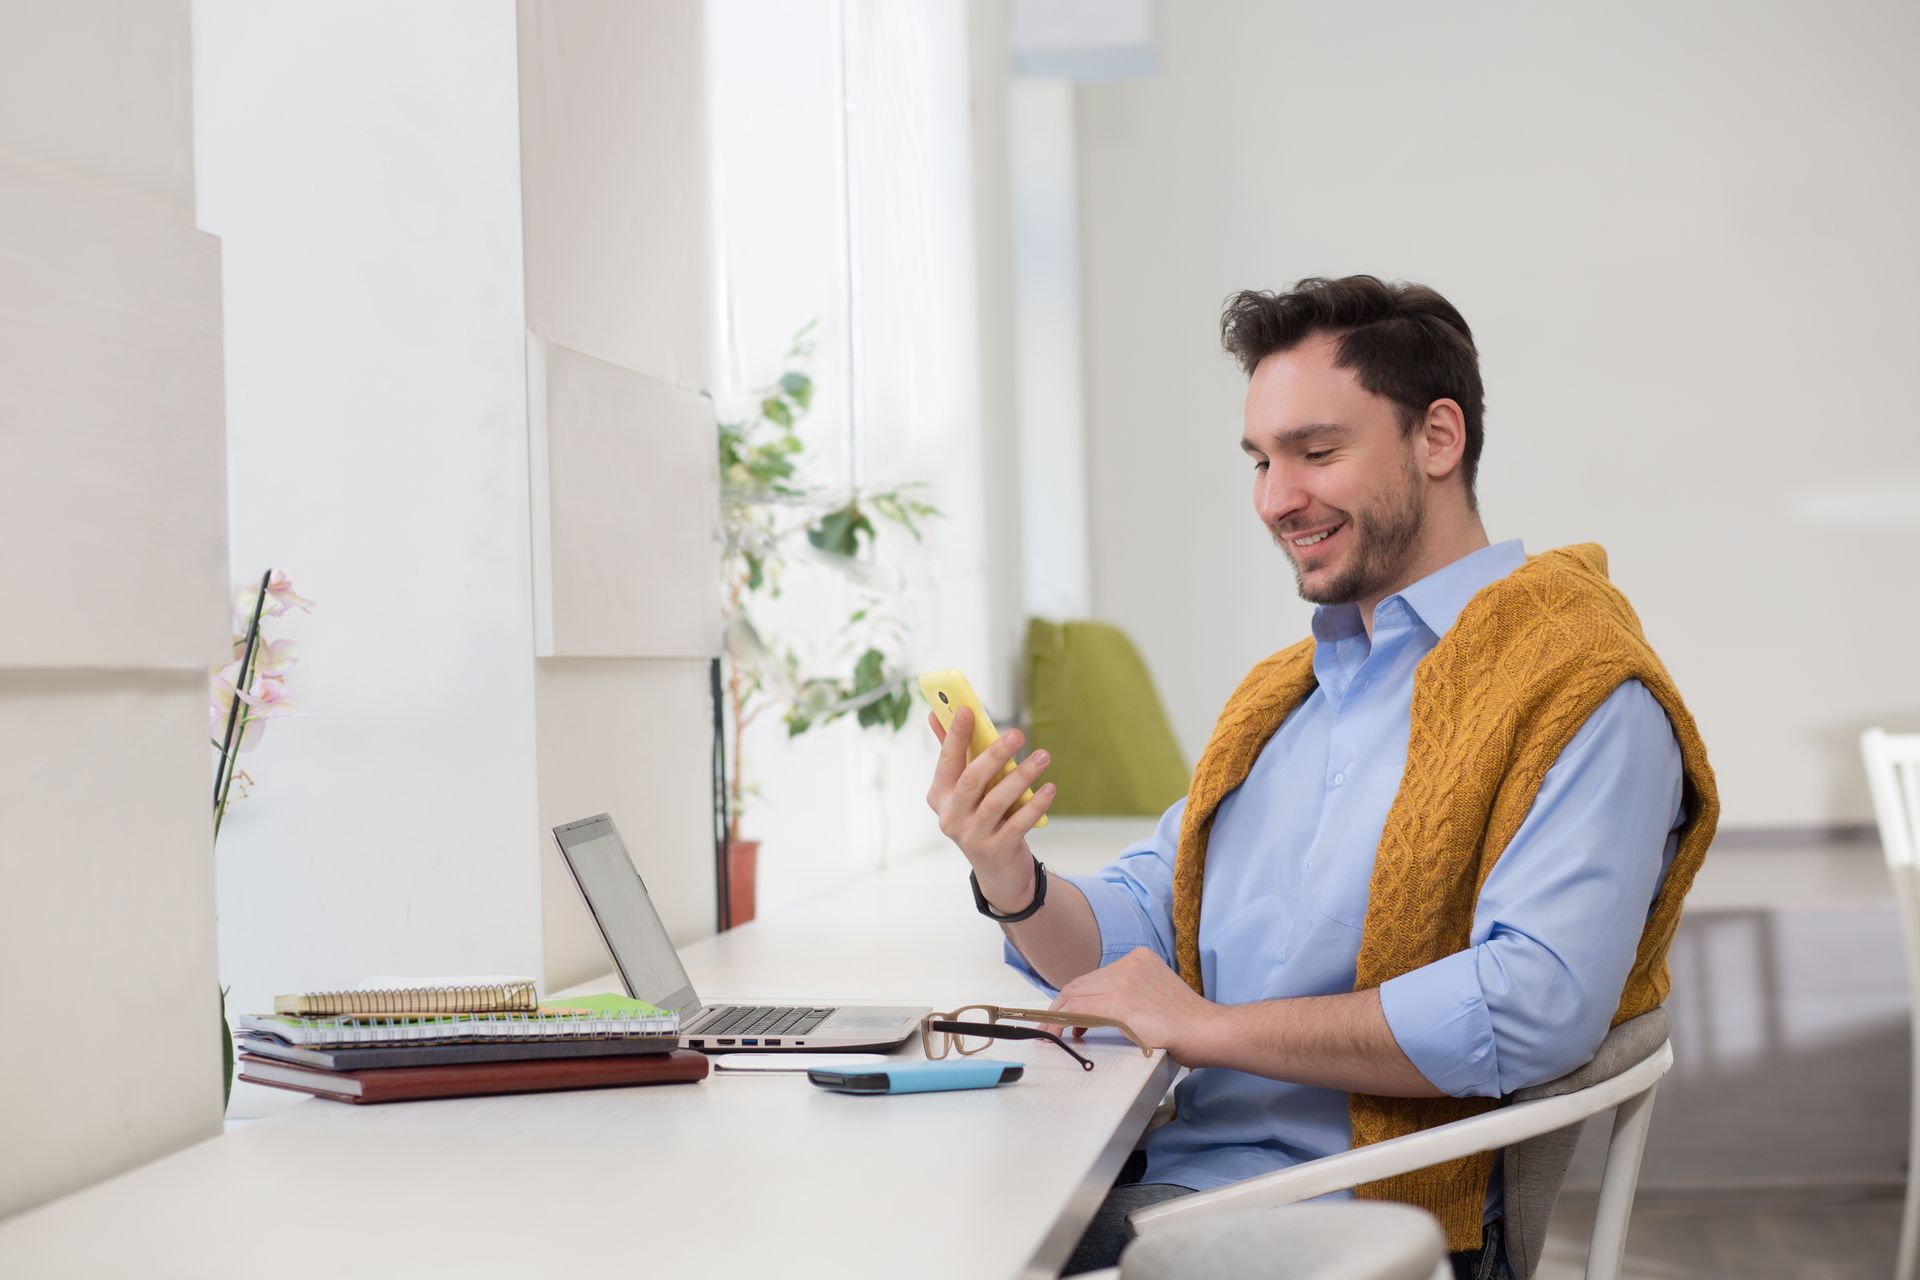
(743, 860)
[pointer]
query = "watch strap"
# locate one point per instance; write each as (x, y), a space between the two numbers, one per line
(1039, 896)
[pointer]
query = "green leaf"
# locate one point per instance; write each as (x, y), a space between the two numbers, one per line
(775, 410)
(890, 506)
(768, 467)
(756, 573)
(858, 614)
(838, 532)
(867, 672)
(902, 708)
(799, 388)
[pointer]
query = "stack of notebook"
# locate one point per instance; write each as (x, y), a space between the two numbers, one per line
(392, 1043)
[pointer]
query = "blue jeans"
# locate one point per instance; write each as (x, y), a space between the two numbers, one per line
(1107, 1234)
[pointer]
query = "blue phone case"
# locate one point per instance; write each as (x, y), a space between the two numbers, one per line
(917, 1077)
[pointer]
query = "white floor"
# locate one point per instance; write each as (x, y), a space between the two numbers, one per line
(1798, 1236)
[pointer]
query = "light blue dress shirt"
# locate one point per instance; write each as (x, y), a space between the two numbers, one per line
(1288, 864)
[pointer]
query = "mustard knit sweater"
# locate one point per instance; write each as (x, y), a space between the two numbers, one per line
(1529, 659)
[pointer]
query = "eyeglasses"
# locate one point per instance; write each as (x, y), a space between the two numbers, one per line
(970, 1029)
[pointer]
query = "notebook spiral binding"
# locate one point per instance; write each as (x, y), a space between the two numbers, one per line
(420, 1001)
(491, 1027)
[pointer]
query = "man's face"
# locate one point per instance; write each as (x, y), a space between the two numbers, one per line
(1332, 466)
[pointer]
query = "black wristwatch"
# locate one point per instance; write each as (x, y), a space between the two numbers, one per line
(1039, 896)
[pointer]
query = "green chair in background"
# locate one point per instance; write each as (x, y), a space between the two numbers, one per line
(1092, 705)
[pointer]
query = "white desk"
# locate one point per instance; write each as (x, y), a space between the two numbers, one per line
(737, 1171)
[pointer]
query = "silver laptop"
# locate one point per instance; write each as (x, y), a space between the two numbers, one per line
(650, 968)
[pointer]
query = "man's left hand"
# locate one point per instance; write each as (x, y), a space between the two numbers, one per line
(1151, 999)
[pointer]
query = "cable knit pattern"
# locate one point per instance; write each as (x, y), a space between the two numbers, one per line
(1529, 659)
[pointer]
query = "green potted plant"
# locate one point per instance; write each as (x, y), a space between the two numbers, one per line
(771, 518)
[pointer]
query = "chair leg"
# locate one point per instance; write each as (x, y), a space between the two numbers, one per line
(1910, 1216)
(1607, 1252)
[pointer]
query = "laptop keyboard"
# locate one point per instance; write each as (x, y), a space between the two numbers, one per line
(760, 1020)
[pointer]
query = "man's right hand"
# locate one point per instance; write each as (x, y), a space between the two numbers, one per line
(973, 809)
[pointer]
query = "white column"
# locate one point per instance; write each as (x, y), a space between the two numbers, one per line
(112, 586)
(621, 320)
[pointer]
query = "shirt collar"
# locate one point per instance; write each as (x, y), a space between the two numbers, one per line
(1436, 599)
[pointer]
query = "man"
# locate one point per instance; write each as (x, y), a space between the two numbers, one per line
(1430, 854)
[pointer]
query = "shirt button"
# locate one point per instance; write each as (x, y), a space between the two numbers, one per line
(1339, 778)
(1186, 1114)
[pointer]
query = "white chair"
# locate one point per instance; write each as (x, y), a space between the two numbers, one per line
(1537, 1130)
(1337, 1241)
(1893, 775)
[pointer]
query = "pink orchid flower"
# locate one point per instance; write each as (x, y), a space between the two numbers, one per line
(275, 658)
(280, 598)
(267, 700)
(280, 591)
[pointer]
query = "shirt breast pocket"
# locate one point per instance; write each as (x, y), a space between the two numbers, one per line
(1343, 899)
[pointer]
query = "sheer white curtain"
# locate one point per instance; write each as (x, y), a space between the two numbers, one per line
(857, 145)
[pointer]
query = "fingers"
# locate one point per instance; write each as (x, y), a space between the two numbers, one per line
(1055, 1027)
(933, 723)
(953, 756)
(986, 767)
(1027, 816)
(1006, 792)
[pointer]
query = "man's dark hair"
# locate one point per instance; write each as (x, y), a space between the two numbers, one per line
(1403, 341)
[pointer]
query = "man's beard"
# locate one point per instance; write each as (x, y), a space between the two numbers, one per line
(1383, 543)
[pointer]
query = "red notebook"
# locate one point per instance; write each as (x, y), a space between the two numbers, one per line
(467, 1079)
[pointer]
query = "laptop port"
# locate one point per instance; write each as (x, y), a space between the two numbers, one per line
(773, 1043)
(699, 1044)
(749, 1042)
(724, 1040)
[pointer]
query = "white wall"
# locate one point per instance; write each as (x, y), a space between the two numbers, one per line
(112, 551)
(362, 163)
(1682, 235)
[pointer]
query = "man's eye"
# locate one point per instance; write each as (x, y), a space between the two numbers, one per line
(1260, 466)
(1317, 454)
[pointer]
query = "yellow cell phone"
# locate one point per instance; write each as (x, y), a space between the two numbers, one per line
(946, 692)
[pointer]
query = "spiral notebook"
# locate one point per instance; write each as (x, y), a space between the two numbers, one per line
(586, 1018)
(423, 998)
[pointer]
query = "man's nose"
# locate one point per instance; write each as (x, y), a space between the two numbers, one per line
(1278, 496)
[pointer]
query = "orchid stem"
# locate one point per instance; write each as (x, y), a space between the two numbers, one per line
(230, 750)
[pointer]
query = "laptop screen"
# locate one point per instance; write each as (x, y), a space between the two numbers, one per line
(618, 900)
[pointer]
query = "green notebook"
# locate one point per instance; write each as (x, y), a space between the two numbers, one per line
(600, 1017)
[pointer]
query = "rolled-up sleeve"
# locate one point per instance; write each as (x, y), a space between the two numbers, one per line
(1559, 918)
(1131, 897)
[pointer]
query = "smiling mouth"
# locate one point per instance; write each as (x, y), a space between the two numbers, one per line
(1315, 541)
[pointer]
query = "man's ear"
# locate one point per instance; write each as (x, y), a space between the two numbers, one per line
(1442, 439)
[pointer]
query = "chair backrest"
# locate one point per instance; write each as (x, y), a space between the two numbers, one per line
(1091, 703)
(1893, 776)
(1534, 1169)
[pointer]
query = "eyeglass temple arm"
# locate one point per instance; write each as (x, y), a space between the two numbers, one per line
(1074, 1019)
(1001, 1031)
